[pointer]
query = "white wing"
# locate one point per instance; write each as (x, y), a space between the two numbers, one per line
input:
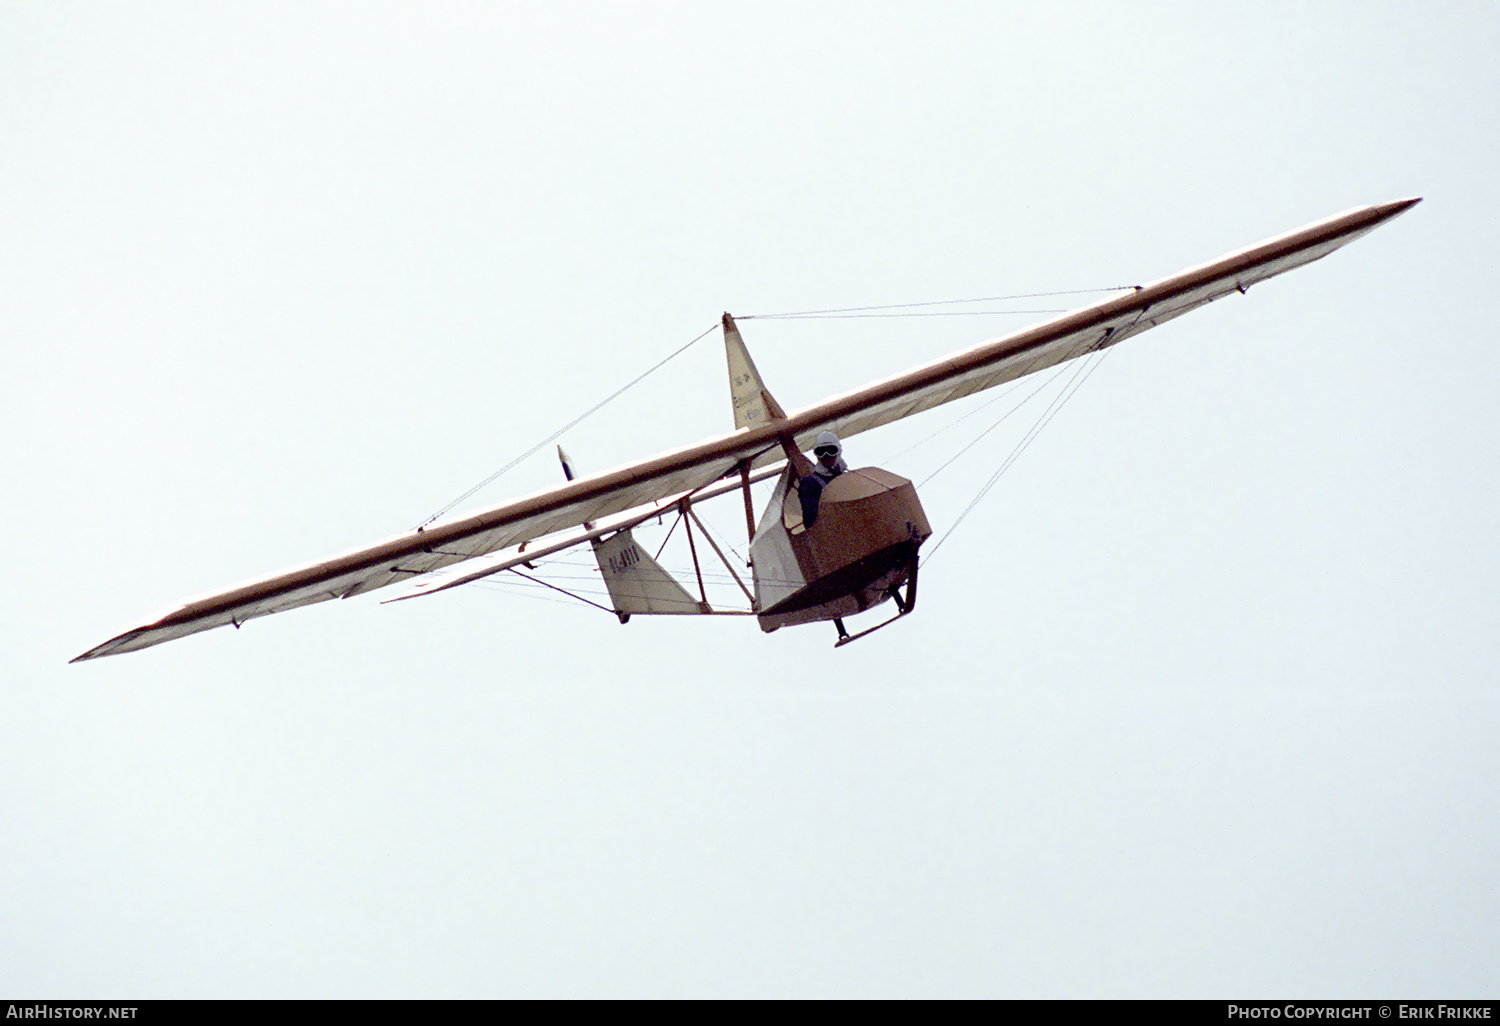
(1095, 327)
(984, 366)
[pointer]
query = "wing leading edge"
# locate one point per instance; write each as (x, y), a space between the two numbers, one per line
(991, 363)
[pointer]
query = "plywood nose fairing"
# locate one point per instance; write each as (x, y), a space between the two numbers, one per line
(862, 547)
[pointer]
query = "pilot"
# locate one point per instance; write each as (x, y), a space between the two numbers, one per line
(830, 465)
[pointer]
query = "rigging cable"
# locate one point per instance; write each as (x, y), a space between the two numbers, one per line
(937, 302)
(1003, 417)
(1070, 389)
(520, 589)
(565, 591)
(849, 311)
(926, 313)
(570, 424)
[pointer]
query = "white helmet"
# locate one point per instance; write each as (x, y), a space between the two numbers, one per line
(826, 439)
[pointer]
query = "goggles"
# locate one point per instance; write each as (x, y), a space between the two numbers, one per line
(826, 450)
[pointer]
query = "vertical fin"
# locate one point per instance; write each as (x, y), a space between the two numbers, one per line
(637, 583)
(753, 404)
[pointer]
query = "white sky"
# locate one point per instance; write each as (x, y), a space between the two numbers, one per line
(1200, 701)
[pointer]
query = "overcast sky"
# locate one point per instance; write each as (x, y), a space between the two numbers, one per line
(1201, 700)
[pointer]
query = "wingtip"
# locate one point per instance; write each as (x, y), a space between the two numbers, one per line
(114, 646)
(1399, 206)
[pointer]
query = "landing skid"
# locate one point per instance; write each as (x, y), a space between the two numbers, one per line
(904, 604)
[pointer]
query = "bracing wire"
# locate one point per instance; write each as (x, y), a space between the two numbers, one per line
(955, 422)
(569, 425)
(1070, 389)
(564, 591)
(526, 583)
(938, 302)
(520, 590)
(925, 313)
(1003, 417)
(724, 540)
(850, 311)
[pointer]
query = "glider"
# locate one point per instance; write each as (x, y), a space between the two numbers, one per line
(851, 549)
